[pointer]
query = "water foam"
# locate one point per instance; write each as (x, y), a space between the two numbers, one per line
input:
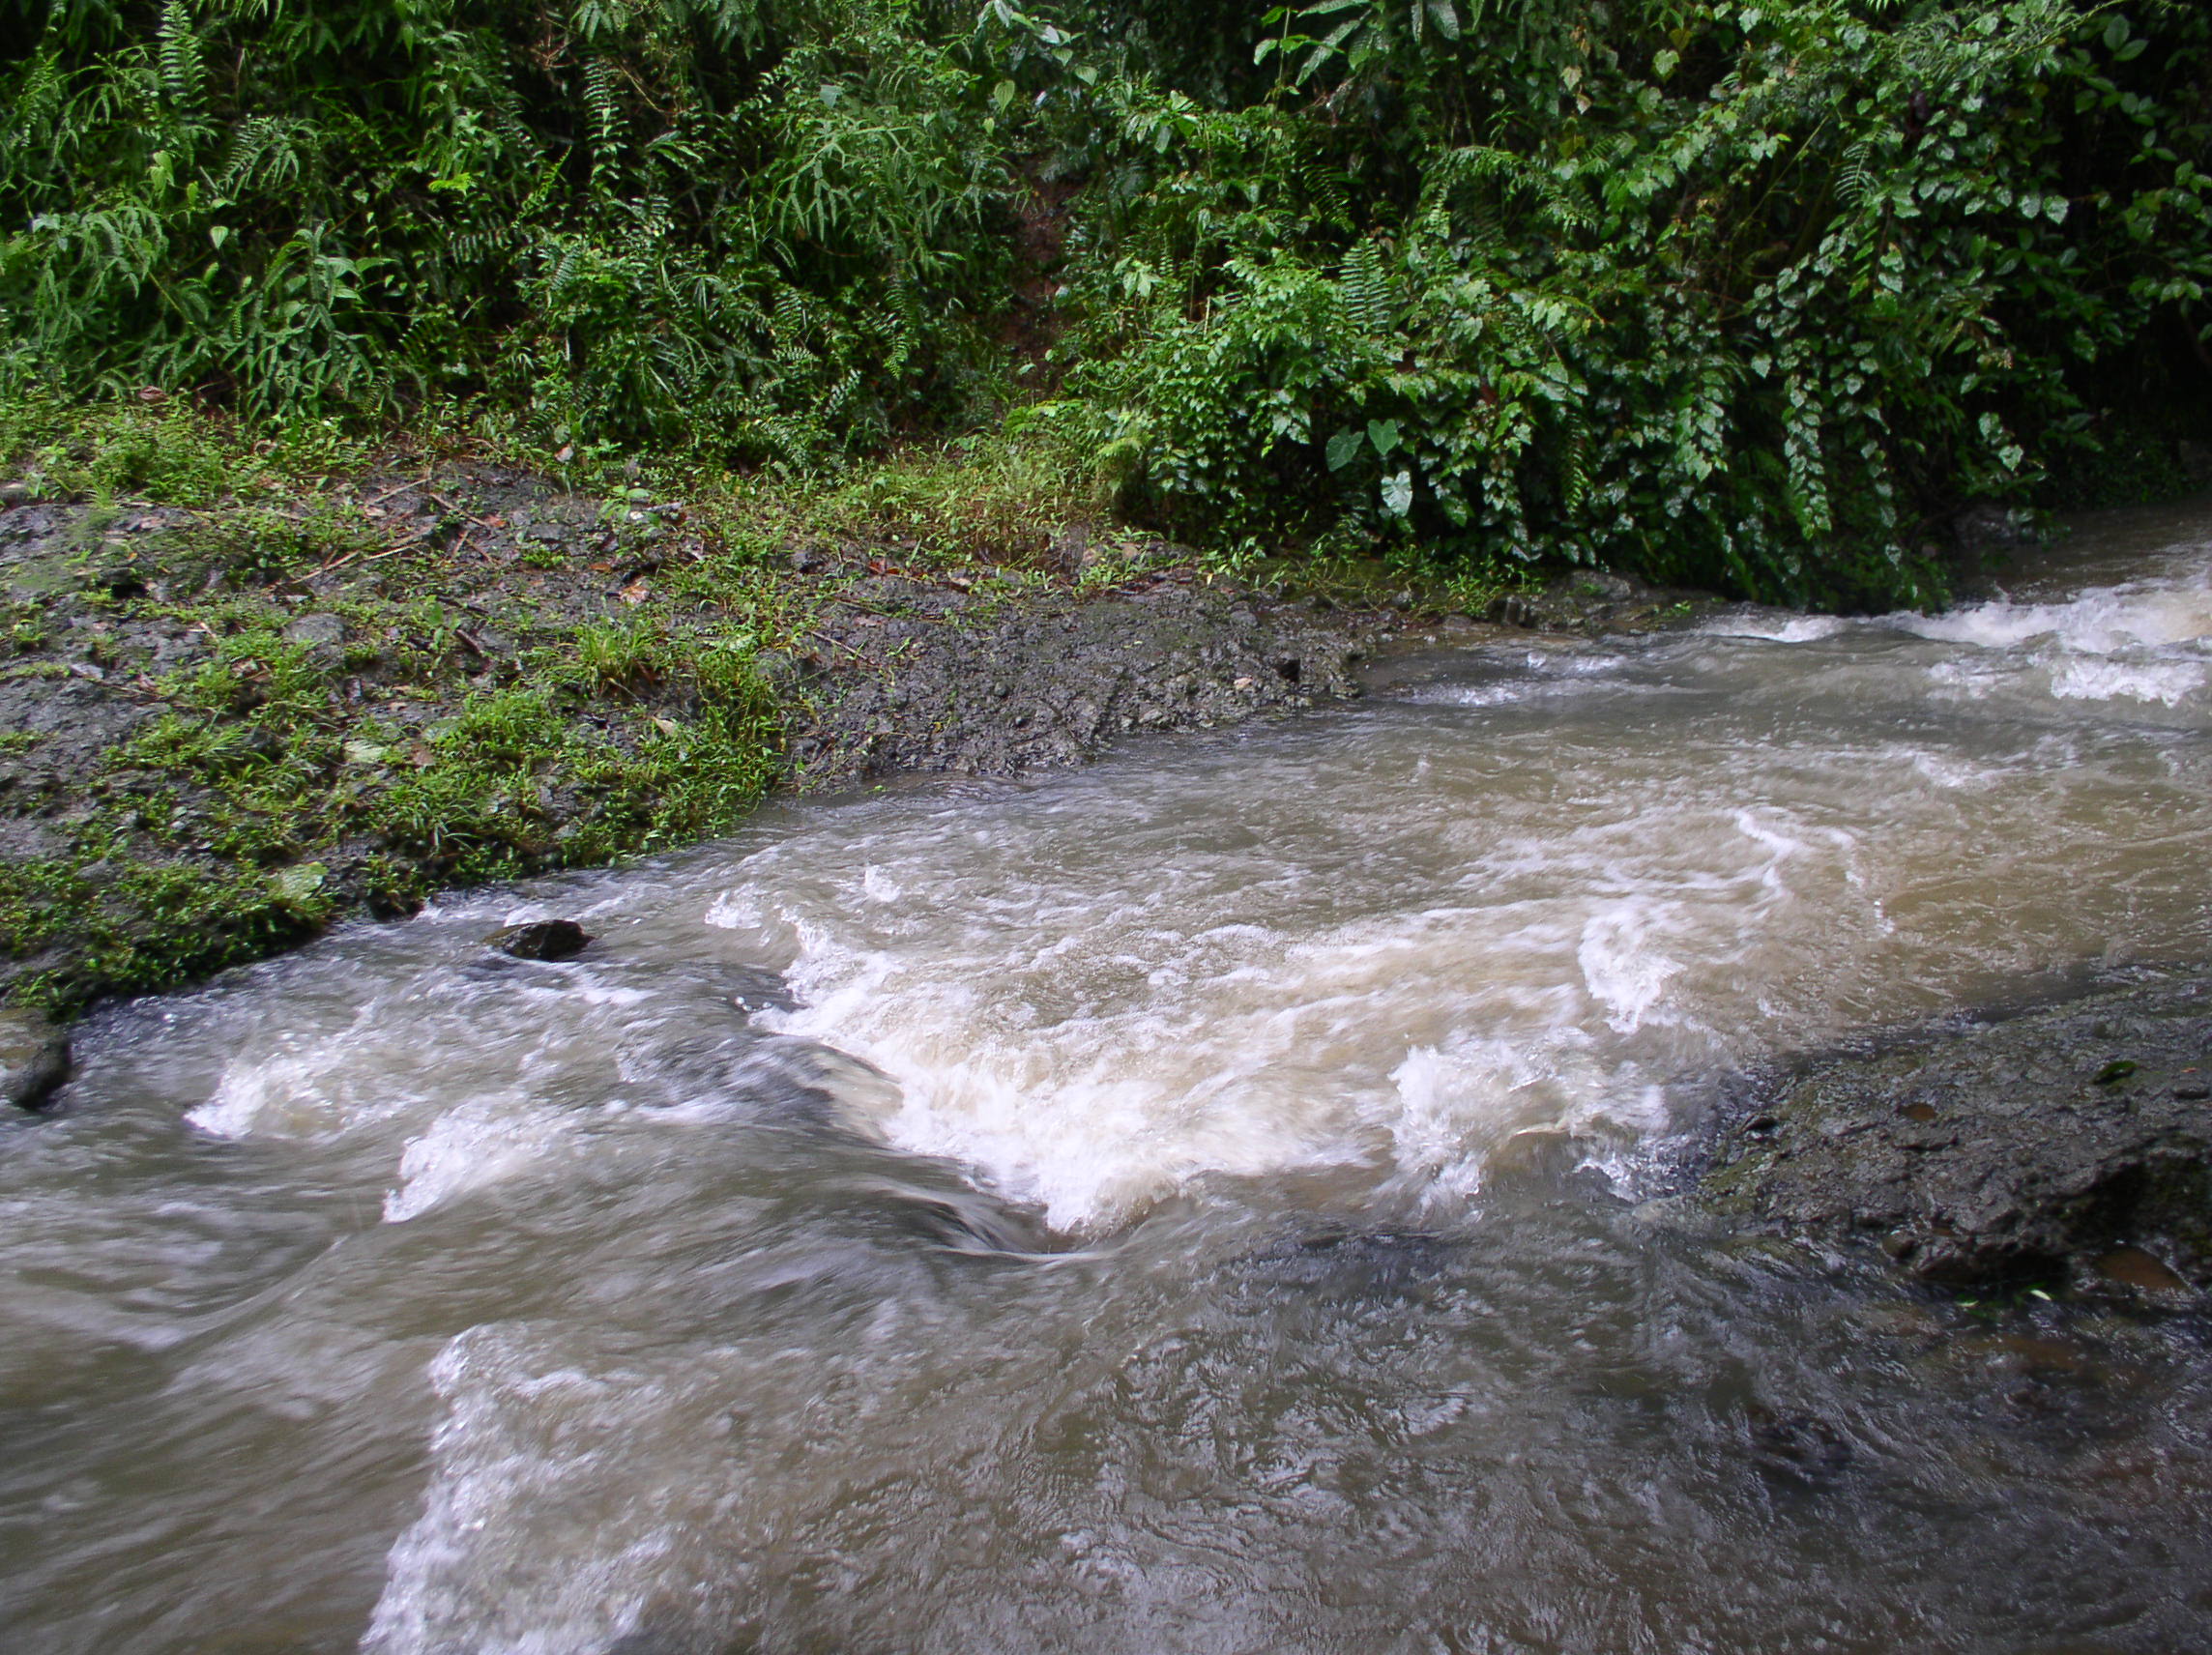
(1624, 976)
(464, 1575)
(1094, 1048)
(2101, 620)
(475, 1145)
(1087, 1115)
(2167, 682)
(2146, 640)
(284, 1095)
(1775, 628)
(309, 1085)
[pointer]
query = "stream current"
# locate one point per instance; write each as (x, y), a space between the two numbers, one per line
(1203, 1203)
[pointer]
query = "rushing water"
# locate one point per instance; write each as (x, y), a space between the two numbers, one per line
(1202, 1202)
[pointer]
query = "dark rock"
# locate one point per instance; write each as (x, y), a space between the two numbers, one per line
(2013, 1150)
(1596, 586)
(540, 940)
(1013, 687)
(14, 493)
(2146, 1272)
(1594, 603)
(959, 1223)
(34, 1058)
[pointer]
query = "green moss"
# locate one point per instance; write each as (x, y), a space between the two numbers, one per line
(283, 781)
(138, 927)
(213, 839)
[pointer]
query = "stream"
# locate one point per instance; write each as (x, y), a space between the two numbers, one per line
(1219, 1200)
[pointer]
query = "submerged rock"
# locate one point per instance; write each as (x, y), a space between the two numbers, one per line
(1795, 1447)
(34, 1058)
(1372, 1266)
(540, 940)
(2057, 1142)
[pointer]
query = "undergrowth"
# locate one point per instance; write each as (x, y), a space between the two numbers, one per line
(1747, 296)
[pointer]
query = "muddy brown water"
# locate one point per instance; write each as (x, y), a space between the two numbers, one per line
(1201, 1203)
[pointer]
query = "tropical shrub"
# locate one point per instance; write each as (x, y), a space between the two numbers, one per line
(756, 228)
(1747, 295)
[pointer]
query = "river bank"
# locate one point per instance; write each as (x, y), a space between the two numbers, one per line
(222, 730)
(223, 727)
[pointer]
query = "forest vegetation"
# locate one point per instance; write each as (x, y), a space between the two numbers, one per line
(1744, 295)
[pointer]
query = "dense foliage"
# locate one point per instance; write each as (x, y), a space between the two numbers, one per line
(1745, 295)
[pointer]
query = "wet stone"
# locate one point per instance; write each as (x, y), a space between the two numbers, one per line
(1379, 1266)
(2134, 1267)
(2048, 1156)
(34, 1058)
(316, 629)
(540, 940)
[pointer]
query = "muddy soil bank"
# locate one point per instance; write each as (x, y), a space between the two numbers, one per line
(2069, 1145)
(222, 729)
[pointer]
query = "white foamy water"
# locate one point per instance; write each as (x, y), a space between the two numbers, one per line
(2146, 640)
(1188, 1204)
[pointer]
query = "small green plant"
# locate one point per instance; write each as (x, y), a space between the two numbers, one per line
(621, 657)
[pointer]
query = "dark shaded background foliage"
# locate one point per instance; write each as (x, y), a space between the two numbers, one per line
(1741, 295)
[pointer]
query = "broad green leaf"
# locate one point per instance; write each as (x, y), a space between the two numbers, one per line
(1343, 449)
(1384, 434)
(1397, 493)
